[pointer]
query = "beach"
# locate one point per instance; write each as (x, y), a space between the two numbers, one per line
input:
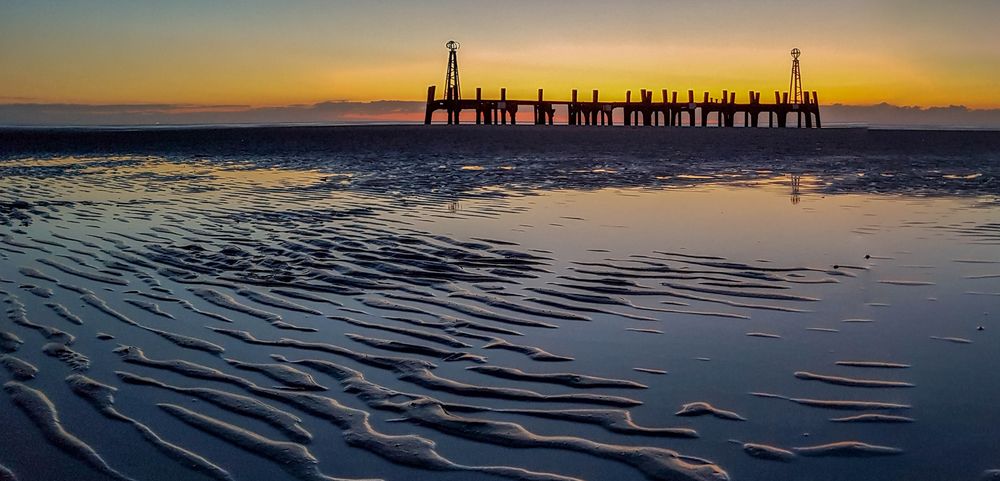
(527, 303)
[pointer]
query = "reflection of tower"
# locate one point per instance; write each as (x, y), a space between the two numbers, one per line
(796, 181)
(795, 84)
(453, 89)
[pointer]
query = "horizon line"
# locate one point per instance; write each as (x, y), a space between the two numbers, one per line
(222, 107)
(338, 112)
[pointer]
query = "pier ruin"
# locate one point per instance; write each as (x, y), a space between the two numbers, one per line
(667, 111)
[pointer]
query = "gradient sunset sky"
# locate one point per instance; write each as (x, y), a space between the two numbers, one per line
(247, 52)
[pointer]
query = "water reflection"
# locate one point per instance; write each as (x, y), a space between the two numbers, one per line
(796, 182)
(639, 300)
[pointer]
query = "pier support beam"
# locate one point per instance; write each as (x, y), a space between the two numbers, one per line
(816, 105)
(704, 110)
(594, 112)
(429, 112)
(502, 106)
(808, 112)
(574, 109)
(628, 108)
(673, 108)
(479, 105)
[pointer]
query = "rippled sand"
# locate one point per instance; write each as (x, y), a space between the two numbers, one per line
(436, 315)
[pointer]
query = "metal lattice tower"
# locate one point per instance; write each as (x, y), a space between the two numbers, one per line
(795, 84)
(453, 89)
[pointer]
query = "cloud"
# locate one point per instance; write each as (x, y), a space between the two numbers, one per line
(400, 111)
(33, 114)
(954, 116)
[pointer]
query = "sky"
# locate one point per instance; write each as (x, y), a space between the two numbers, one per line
(229, 54)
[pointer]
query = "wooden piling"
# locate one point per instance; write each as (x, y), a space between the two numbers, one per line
(819, 125)
(539, 120)
(502, 106)
(429, 112)
(808, 112)
(574, 110)
(594, 113)
(628, 108)
(479, 105)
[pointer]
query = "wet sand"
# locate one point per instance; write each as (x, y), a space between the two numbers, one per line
(363, 303)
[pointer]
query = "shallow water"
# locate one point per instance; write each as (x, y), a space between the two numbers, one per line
(829, 334)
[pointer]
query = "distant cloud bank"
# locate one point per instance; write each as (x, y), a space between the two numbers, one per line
(955, 116)
(28, 114)
(399, 111)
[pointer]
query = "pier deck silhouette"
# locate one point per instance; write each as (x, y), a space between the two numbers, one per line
(645, 112)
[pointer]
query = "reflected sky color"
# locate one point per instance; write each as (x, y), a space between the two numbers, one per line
(921, 269)
(270, 53)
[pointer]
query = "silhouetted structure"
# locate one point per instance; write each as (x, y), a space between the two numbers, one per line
(668, 112)
(451, 81)
(795, 83)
